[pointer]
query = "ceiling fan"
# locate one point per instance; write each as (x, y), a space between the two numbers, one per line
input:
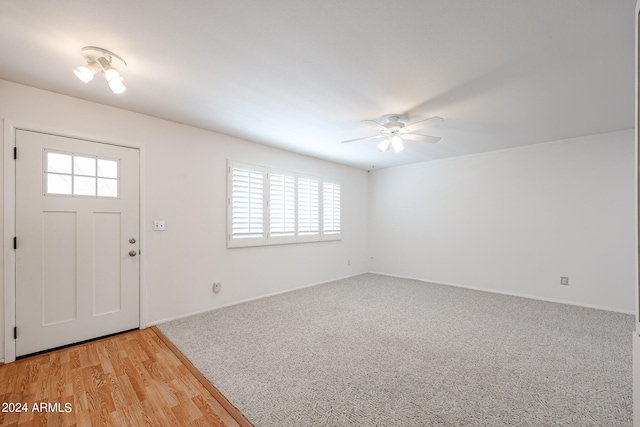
(395, 132)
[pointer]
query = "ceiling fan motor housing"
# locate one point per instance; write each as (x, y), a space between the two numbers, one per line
(394, 125)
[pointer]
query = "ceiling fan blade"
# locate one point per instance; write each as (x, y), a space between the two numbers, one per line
(375, 125)
(422, 138)
(366, 137)
(433, 121)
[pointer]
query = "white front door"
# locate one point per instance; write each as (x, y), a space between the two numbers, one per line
(77, 250)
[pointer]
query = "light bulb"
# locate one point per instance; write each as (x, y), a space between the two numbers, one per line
(111, 74)
(85, 72)
(116, 84)
(384, 145)
(397, 143)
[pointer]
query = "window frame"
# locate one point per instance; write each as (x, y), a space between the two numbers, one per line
(72, 175)
(268, 238)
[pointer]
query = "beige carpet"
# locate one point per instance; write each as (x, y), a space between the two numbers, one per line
(379, 351)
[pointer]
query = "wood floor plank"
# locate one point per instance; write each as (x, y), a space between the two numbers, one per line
(132, 379)
(209, 415)
(7, 375)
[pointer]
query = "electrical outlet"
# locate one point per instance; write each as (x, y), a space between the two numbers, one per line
(348, 262)
(158, 225)
(564, 280)
(216, 287)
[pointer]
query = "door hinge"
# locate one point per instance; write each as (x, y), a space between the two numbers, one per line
(15, 153)
(15, 243)
(15, 332)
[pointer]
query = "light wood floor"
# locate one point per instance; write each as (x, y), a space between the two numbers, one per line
(134, 379)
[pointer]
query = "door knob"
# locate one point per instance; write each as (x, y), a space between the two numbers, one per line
(133, 253)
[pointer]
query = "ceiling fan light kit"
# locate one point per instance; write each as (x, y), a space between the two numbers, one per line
(102, 61)
(395, 132)
(397, 143)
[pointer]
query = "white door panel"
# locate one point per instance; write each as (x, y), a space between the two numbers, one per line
(75, 279)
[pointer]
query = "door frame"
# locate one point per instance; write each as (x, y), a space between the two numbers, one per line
(9, 210)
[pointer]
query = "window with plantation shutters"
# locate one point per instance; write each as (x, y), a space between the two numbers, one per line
(330, 208)
(271, 207)
(246, 203)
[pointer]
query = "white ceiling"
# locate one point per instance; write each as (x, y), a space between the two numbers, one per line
(301, 75)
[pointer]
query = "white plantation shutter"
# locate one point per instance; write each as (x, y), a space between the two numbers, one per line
(246, 202)
(308, 207)
(330, 208)
(282, 205)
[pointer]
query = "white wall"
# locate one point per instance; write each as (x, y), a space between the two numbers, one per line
(515, 220)
(186, 187)
(511, 221)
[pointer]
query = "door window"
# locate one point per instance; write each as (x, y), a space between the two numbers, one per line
(70, 174)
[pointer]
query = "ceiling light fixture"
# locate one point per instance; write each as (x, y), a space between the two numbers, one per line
(395, 133)
(101, 60)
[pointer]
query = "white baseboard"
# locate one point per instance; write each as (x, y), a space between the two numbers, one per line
(513, 294)
(475, 288)
(206, 310)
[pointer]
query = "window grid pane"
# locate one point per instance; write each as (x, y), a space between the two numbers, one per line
(107, 168)
(84, 186)
(85, 166)
(59, 184)
(107, 187)
(59, 163)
